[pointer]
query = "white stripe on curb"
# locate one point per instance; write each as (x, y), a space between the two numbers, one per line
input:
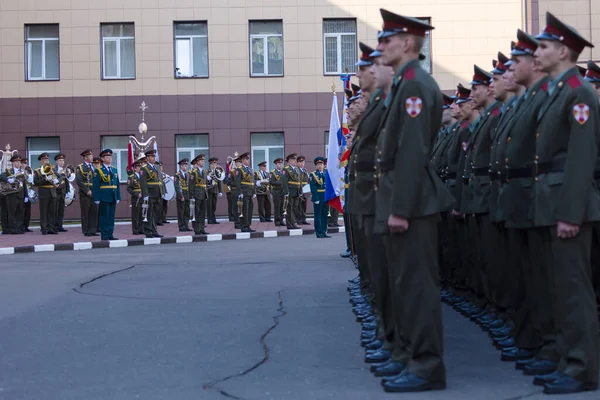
(184, 239)
(118, 243)
(242, 235)
(296, 232)
(342, 229)
(214, 237)
(82, 246)
(43, 247)
(270, 234)
(148, 241)
(7, 250)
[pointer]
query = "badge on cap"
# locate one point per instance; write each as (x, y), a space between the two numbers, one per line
(414, 105)
(581, 112)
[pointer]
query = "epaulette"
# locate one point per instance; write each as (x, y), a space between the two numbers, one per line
(410, 74)
(574, 82)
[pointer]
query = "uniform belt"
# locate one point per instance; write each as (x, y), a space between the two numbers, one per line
(535, 169)
(292, 183)
(321, 190)
(385, 166)
(137, 190)
(154, 183)
(88, 184)
(248, 183)
(497, 176)
(364, 166)
(450, 175)
(201, 186)
(47, 187)
(108, 187)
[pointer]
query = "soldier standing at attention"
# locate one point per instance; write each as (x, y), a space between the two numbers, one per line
(14, 199)
(565, 203)
(277, 191)
(135, 190)
(409, 199)
(152, 192)
(317, 189)
(105, 188)
(183, 196)
(215, 190)
(47, 185)
(97, 163)
(262, 192)
(197, 188)
(291, 190)
(244, 180)
(27, 207)
(89, 210)
(61, 192)
(302, 200)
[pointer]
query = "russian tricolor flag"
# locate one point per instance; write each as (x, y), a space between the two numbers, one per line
(334, 177)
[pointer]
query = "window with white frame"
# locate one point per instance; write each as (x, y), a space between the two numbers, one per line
(39, 145)
(118, 145)
(266, 48)
(339, 46)
(426, 50)
(191, 50)
(118, 51)
(190, 146)
(41, 52)
(266, 147)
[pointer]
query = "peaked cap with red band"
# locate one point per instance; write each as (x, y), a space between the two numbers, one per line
(480, 77)
(394, 24)
(593, 72)
(463, 94)
(447, 101)
(501, 66)
(365, 57)
(556, 30)
(526, 44)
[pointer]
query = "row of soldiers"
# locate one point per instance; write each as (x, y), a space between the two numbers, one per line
(514, 175)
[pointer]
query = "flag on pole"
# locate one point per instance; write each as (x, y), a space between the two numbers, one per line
(334, 177)
(156, 149)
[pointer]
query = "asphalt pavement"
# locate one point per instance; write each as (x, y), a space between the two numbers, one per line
(245, 319)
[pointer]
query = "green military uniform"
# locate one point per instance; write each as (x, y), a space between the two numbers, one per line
(183, 199)
(135, 191)
(302, 200)
(89, 210)
(292, 188)
(276, 182)
(244, 179)
(197, 189)
(408, 188)
(317, 190)
(61, 191)
(214, 189)
(262, 193)
(106, 192)
(152, 192)
(47, 197)
(14, 200)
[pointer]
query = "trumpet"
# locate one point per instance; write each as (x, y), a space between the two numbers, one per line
(145, 210)
(48, 172)
(285, 204)
(193, 209)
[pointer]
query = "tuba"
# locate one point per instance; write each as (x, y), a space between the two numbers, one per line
(217, 174)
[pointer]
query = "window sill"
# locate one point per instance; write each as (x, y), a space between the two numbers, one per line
(191, 77)
(42, 80)
(339, 73)
(267, 76)
(118, 79)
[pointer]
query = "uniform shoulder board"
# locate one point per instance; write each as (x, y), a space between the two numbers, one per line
(574, 82)
(409, 74)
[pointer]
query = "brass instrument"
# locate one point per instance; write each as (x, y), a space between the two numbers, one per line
(240, 204)
(217, 174)
(48, 172)
(193, 209)
(145, 210)
(285, 204)
(15, 187)
(264, 183)
(70, 173)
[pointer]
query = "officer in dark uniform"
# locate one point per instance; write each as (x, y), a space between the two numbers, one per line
(183, 196)
(27, 206)
(107, 194)
(97, 163)
(317, 190)
(135, 190)
(302, 200)
(565, 203)
(152, 192)
(198, 183)
(83, 179)
(47, 184)
(276, 183)
(263, 189)
(244, 180)
(409, 198)
(13, 200)
(291, 190)
(215, 190)
(61, 192)
(164, 208)
(235, 192)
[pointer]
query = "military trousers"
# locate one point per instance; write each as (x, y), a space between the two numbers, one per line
(596, 259)
(290, 216)
(334, 216)
(183, 214)
(247, 211)
(359, 236)
(501, 271)
(456, 254)
(321, 211)
(301, 210)
(264, 206)
(26, 215)
(107, 219)
(13, 205)
(414, 277)
(47, 213)
(89, 214)
(136, 214)
(154, 211)
(574, 304)
(230, 204)
(200, 214)
(235, 209)
(164, 211)
(474, 261)
(60, 211)
(211, 207)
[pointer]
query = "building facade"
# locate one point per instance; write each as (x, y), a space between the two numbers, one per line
(219, 76)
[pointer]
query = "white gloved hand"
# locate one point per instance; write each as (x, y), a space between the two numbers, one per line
(26, 199)
(209, 178)
(118, 201)
(240, 196)
(258, 183)
(96, 202)
(253, 196)
(11, 180)
(317, 202)
(145, 198)
(220, 194)
(55, 181)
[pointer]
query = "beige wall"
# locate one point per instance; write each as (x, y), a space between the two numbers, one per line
(467, 32)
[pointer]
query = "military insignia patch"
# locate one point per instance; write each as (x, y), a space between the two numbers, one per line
(414, 105)
(581, 112)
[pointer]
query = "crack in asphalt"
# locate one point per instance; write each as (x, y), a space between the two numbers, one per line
(524, 396)
(212, 384)
(81, 285)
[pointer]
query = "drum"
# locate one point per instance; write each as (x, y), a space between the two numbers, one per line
(70, 197)
(306, 188)
(169, 189)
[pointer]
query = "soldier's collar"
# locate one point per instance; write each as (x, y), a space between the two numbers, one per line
(402, 70)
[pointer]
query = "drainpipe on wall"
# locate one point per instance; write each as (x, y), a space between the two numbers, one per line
(524, 16)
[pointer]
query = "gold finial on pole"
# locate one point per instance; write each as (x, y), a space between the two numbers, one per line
(333, 86)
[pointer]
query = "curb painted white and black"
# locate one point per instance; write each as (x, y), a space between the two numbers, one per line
(104, 244)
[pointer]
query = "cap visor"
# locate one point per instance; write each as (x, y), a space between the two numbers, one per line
(363, 63)
(517, 52)
(460, 101)
(545, 36)
(497, 71)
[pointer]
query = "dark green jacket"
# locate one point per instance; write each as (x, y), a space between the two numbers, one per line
(244, 180)
(455, 159)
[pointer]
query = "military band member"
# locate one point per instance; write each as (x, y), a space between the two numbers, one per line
(302, 199)
(565, 203)
(261, 178)
(135, 190)
(244, 180)
(164, 207)
(61, 192)
(107, 194)
(317, 188)
(215, 190)
(276, 183)
(47, 184)
(14, 199)
(83, 179)
(235, 192)
(152, 192)
(198, 183)
(183, 196)
(291, 190)
(27, 206)
(409, 199)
